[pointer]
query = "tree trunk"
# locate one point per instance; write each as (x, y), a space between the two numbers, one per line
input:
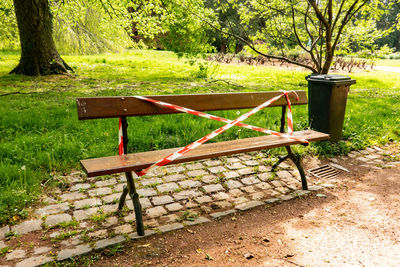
(39, 55)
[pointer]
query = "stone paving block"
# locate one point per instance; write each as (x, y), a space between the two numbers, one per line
(110, 221)
(284, 165)
(196, 173)
(263, 168)
(257, 196)
(246, 171)
(109, 242)
(109, 208)
(81, 215)
(272, 200)
(245, 157)
(284, 175)
(236, 166)
(58, 218)
(168, 187)
(100, 191)
(175, 169)
(80, 187)
(221, 204)
(171, 218)
(162, 200)
(156, 212)
(16, 254)
(263, 186)
(107, 182)
(216, 170)
(212, 163)
(217, 215)
(191, 204)
(249, 189)
(249, 205)
(145, 202)
(89, 202)
(41, 250)
(34, 261)
(151, 181)
(209, 179)
(300, 193)
(72, 252)
(220, 196)
(98, 234)
(276, 183)
(211, 188)
(27, 226)
(282, 190)
(251, 163)
(231, 184)
(232, 160)
(187, 194)
(194, 166)
(170, 227)
(250, 180)
(113, 198)
(203, 199)
(240, 200)
(205, 209)
(372, 156)
(71, 242)
(123, 229)
(230, 174)
(197, 220)
(72, 196)
(146, 233)
(118, 187)
(235, 192)
(174, 177)
(174, 206)
(286, 197)
(146, 192)
(189, 184)
(265, 176)
(52, 209)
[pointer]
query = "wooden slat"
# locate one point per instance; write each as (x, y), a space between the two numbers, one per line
(138, 161)
(109, 107)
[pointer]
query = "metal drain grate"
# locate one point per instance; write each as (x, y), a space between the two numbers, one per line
(323, 172)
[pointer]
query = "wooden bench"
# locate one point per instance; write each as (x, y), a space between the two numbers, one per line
(123, 107)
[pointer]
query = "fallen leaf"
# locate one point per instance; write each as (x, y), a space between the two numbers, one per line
(208, 257)
(248, 256)
(289, 255)
(144, 246)
(199, 250)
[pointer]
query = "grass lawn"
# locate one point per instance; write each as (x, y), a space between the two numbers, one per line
(41, 137)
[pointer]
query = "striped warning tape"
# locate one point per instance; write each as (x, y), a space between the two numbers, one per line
(220, 130)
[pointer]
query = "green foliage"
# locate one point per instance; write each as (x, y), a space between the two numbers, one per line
(84, 27)
(9, 38)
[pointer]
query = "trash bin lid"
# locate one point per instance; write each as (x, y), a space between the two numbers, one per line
(329, 77)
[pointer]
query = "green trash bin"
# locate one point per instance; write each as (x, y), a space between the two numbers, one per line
(327, 98)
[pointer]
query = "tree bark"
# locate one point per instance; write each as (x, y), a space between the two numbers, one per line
(39, 55)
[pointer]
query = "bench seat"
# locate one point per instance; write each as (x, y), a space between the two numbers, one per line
(141, 160)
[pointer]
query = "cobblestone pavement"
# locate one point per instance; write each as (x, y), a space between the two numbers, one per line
(82, 217)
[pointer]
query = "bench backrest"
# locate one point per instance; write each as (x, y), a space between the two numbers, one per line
(124, 106)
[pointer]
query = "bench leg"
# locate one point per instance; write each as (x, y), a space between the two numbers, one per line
(136, 203)
(297, 161)
(281, 159)
(121, 204)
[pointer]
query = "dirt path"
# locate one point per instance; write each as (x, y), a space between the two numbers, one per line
(356, 224)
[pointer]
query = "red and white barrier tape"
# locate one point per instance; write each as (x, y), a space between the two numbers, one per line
(120, 139)
(213, 117)
(213, 134)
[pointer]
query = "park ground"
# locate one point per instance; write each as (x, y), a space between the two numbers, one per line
(42, 140)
